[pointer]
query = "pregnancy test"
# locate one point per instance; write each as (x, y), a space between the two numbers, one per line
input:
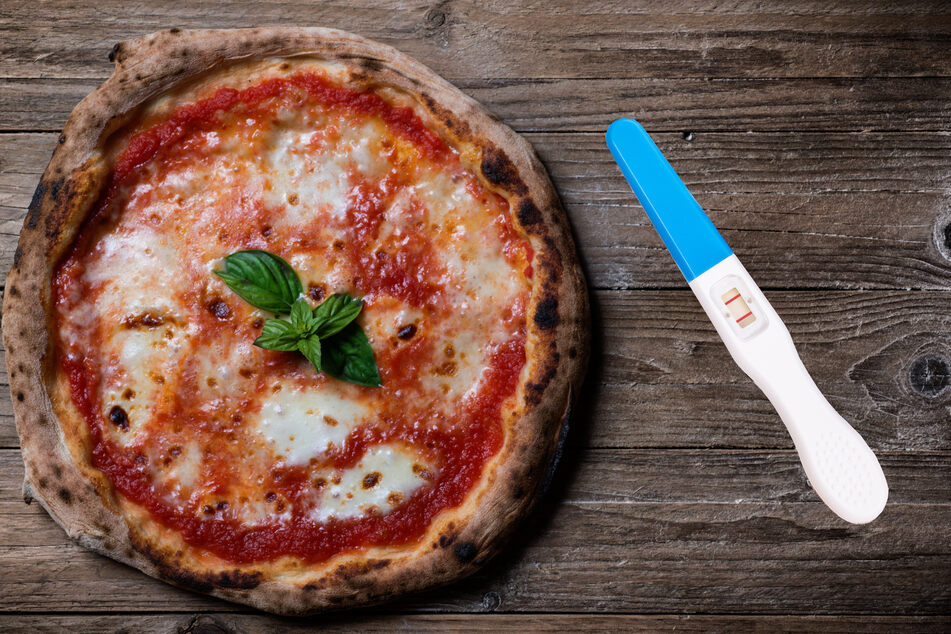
(841, 468)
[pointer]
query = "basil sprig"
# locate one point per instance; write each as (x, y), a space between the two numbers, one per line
(327, 335)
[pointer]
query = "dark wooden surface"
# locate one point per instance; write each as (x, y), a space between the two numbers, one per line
(817, 136)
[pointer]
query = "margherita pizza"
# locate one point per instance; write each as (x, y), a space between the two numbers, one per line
(292, 321)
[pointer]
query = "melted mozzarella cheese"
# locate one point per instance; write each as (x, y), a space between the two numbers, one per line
(303, 425)
(385, 477)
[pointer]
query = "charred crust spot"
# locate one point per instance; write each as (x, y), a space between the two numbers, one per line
(465, 552)
(33, 215)
(394, 498)
(219, 309)
(546, 313)
(528, 214)
(65, 496)
(535, 390)
(62, 139)
(174, 30)
(16, 258)
(55, 187)
(57, 471)
(316, 292)
(422, 472)
(147, 320)
(44, 483)
(447, 368)
(20, 396)
(445, 541)
(499, 170)
(371, 64)
(460, 128)
(178, 575)
(407, 332)
(370, 480)
(119, 418)
(238, 579)
(114, 53)
(285, 66)
(13, 289)
(518, 493)
(572, 353)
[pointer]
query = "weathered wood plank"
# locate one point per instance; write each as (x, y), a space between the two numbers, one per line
(589, 105)
(671, 382)
(863, 210)
(373, 621)
(621, 530)
(493, 38)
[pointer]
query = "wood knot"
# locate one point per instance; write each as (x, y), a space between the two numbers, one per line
(434, 18)
(491, 601)
(205, 624)
(930, 375)
(942, 235)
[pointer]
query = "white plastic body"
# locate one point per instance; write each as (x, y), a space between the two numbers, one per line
(839, 464)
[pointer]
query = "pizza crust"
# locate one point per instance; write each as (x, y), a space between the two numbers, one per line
(80, 499)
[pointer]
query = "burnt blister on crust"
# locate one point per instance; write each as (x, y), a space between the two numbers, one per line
(528, 213)
(546, 313)
(499, 170)
(169, 569)
(465, 552)
(33, 211)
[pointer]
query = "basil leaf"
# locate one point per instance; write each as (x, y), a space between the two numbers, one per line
(310, 348)
(262, 279)
(278, 334)
(348, 356)
(302, 318)
(337, 311)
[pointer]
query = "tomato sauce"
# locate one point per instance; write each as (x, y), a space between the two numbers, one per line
(411, 273)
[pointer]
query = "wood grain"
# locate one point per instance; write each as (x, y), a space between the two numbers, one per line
(374, 622)
(556, 38)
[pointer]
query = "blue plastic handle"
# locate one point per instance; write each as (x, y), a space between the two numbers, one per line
(683, 226)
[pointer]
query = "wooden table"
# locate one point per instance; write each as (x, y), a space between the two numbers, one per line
(816, 134)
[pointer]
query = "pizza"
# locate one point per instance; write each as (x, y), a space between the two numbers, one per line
(292, 321)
